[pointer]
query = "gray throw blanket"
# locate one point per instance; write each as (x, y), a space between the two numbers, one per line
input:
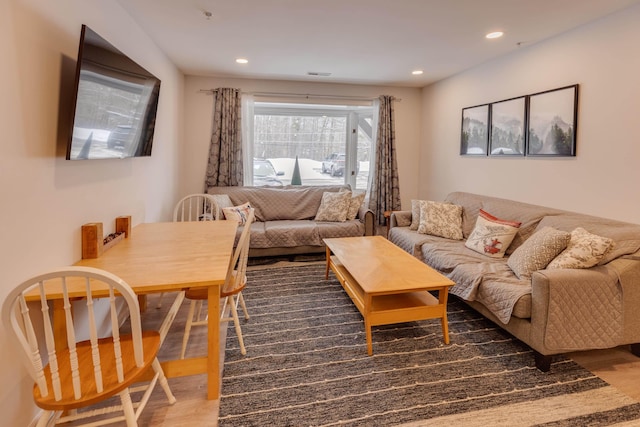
(492, 284)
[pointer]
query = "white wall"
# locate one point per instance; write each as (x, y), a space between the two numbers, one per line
(199, 110)
(603, 58)
(45, 199)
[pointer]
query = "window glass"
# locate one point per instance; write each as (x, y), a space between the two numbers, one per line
(332, 144)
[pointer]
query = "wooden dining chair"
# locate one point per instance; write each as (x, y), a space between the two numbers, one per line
(194, 207)
(231, 291)
(79, 372)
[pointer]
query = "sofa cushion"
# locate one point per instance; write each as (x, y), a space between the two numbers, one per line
(445, 254)
(492, 236)
(288, 234)
(351, 228)
(258, 237)
(440, 219)
(583, 251)
(334, 206)
(409, 240)
(538, 251)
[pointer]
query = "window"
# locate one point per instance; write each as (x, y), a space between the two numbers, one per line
(333, 144)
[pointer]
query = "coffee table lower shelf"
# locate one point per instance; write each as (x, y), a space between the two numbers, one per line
(397, 307)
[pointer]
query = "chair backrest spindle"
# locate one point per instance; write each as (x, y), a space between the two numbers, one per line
(50, 344)
(195, 207)
(30, 346)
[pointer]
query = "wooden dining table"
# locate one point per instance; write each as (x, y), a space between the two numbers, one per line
(173, 256)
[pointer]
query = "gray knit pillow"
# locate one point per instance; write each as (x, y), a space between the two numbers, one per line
(538, 251)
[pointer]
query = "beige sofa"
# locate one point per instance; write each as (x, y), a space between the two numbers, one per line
(555, 310)
(285, 218)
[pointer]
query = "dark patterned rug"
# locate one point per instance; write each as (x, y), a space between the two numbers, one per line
(306, 365)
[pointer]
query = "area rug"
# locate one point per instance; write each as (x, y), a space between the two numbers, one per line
(307, 365)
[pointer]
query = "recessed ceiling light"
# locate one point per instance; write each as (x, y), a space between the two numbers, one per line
(494, 35)
(417, 72)
(242, 61)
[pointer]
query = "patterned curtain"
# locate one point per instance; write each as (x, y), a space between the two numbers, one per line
(384, 191)
(225, 153)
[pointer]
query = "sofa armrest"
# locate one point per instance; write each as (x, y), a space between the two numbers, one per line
(400, 219)
(577, 309)
(366, 216)
(627, 268)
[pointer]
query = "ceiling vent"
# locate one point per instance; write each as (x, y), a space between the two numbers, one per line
(318, 73)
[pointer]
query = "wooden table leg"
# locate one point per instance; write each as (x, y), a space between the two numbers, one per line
(326, 273)
(367, 324)
(442, 300)
(213, 343)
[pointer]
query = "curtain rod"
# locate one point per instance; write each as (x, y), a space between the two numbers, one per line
(306, 95)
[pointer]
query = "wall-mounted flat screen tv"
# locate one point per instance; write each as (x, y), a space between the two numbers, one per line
(115, 103)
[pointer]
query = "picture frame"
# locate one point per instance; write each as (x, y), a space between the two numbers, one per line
(508, 128)
(552, 122)
(474, 135)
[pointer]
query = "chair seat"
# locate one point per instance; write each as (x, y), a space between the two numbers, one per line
(150, 343)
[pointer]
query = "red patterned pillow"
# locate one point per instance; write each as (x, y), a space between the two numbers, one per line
(492, 236)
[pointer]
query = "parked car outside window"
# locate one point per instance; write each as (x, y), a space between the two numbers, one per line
(334, 164)
(264, 173)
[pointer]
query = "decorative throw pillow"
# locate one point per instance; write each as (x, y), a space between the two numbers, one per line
(440, 219)
(222, 201)
(415, 214)
(491, 236)
(334, 206)
(238, 213)
(354, 205)
(583, 251)
(538, 251)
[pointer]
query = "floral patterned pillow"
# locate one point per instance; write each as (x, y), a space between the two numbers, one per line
(440, 219)
(492, 236)
(354, 205)
(238, 213)
(334, 206)
(584, 250)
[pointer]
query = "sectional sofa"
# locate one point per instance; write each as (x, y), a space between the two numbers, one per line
(287, 218)
(556, 306)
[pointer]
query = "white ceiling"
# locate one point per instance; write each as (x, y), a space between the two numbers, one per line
(358, 41)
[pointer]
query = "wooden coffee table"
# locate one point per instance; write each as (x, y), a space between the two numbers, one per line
(387, 284)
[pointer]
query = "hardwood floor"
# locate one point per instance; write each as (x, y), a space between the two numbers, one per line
(192, 407)
(617, 366)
